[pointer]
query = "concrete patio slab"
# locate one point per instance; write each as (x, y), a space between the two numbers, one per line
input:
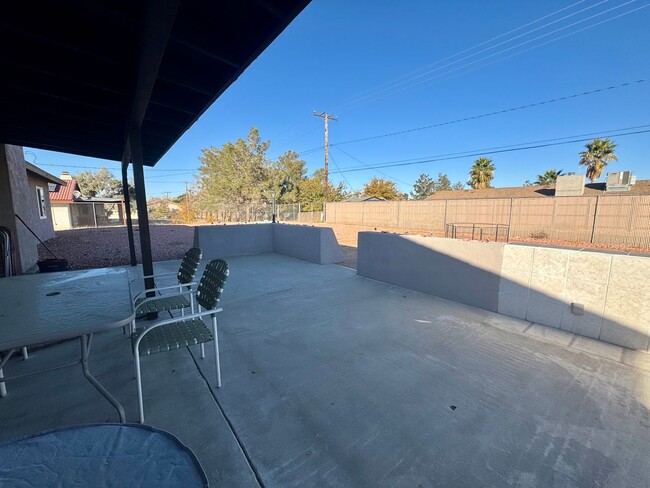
(337, 380)
(332, 379)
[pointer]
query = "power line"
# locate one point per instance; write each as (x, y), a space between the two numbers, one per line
(480, 152)
(388, 84)
(536, 46)
(608, 133)
(172, 175)
(428, 69)
(378, 171)
(487, 114)
(339, 170)
(557, 38)
(104, 166)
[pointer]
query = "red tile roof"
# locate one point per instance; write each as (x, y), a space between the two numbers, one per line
(64, 193)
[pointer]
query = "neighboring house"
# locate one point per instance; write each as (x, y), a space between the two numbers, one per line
(363, 198)
(24, 192)
(641, 187)
(70, 209)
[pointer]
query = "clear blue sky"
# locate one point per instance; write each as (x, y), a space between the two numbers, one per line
(386, 66)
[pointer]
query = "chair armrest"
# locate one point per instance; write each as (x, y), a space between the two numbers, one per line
(152, 276)
(151, 299)
(171, 287)
(172, 321)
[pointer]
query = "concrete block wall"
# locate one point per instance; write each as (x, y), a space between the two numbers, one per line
(223, 241)
(595, 294)
(315, 244)
(463, 271)
(600, 295)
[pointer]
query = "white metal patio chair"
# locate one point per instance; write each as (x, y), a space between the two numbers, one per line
(144, 305)
(184, 331)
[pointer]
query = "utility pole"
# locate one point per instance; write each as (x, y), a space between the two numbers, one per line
(327, 118)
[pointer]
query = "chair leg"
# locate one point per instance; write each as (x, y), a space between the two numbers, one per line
(202, 350)
(216, 350)
(3, 387)
(138, 377)
(3, 361)
(25, 353)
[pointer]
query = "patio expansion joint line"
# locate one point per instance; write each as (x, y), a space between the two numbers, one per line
(240, 443)
(247, 456)
(530, 324)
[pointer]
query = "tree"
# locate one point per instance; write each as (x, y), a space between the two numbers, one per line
(458, 186)
(381, 188)
(443, 182)
(423, 187)
(312, 191)
(548, 178)
(235, 173)
(285, 176)
(99, 183)
(598, 154)
(481, 174)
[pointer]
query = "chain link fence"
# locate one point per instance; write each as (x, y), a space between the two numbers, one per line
(285, 212)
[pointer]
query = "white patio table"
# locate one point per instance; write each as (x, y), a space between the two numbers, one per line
(51, 307)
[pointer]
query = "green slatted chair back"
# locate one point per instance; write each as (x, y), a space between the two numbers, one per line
(212, 282)
(189, 264)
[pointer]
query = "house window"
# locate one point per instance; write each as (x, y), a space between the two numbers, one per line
(40, 194)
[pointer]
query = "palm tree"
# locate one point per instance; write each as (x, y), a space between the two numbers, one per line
(599, 152)
(481, 174)
(549, 177)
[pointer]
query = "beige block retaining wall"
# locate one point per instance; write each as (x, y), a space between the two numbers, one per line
(600, 295)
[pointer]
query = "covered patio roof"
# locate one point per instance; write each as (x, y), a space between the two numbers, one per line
(124, 81)
(78, 75)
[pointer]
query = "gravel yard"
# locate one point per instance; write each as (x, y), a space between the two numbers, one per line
(109, 246)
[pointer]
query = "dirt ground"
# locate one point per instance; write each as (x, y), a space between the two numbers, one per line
(109, 246)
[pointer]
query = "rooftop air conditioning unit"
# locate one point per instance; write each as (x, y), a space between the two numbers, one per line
(620, 181)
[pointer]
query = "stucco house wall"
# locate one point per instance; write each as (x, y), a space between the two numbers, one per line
(18, 195)
(41, 225)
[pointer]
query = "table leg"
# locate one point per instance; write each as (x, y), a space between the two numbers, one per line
(85, 351)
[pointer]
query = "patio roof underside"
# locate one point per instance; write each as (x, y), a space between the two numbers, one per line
(79, 75)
